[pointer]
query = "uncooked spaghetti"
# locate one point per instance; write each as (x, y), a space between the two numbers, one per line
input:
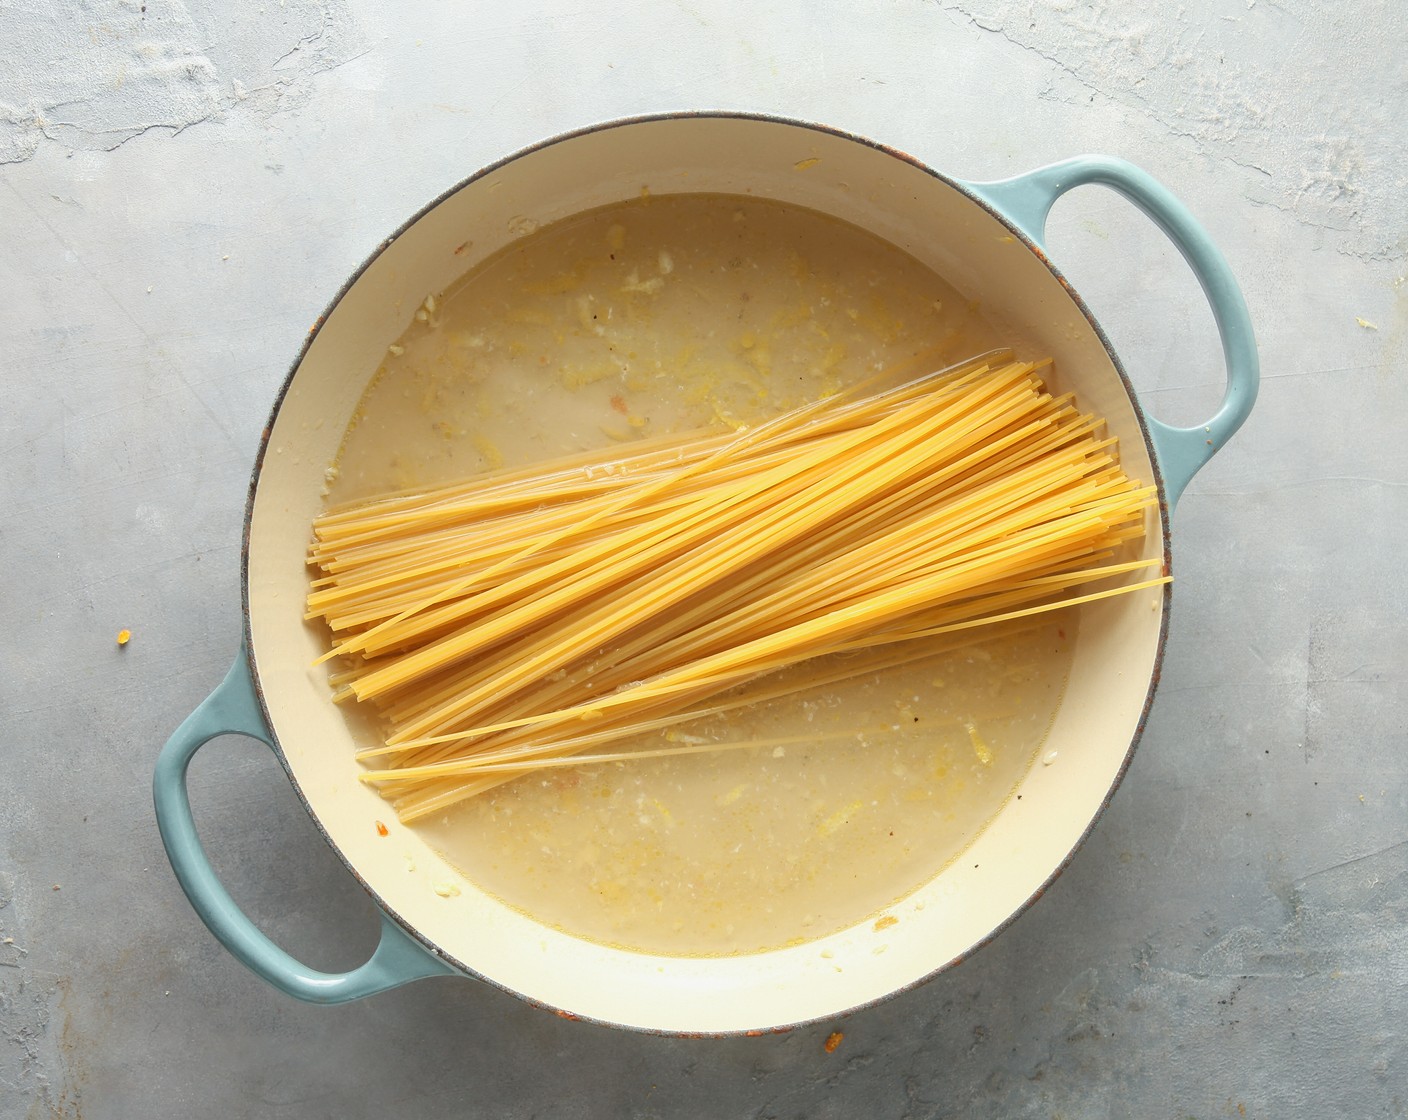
(534, 618)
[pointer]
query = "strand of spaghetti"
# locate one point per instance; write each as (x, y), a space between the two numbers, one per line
(462, 791)
(414, 539)
(352, 620)
(569, 565)
(337, 562)
(755, 436)
(849, 527)
(441, 794)
(476, 766)
(347, 620)
(455, 589)
(997, 603)
(522, 552)
(609, 617)
(689, 621)
(671, 538)
(451, 793)
(446, 614)
(462, 550)
(498, 529)
(723, 682)
(648, 453)
(733, 677)
(390, 588)
(814, 680)
(893, 637)
(808, 593)
(801, 598)
(666, 449)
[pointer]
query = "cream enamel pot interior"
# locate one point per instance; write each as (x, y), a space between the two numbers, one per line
(984, 238)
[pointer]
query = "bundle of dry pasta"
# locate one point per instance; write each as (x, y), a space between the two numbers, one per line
(526, 617)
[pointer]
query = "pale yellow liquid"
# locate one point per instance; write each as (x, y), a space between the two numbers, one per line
(676, 314)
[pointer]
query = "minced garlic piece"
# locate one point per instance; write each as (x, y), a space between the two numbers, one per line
(980, 746)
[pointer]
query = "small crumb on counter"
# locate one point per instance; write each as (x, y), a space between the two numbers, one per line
(1368, 326)
(123, 637)
(833, 1040)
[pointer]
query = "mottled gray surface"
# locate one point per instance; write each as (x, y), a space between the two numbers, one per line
(183, 186)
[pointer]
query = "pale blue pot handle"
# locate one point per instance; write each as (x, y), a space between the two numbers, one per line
(233, 708)
(1026, 201)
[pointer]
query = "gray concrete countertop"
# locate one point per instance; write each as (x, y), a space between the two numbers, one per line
(183, 187)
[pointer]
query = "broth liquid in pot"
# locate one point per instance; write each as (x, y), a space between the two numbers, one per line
(675, 314)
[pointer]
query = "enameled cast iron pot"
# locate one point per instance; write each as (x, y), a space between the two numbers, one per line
(986, 239)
